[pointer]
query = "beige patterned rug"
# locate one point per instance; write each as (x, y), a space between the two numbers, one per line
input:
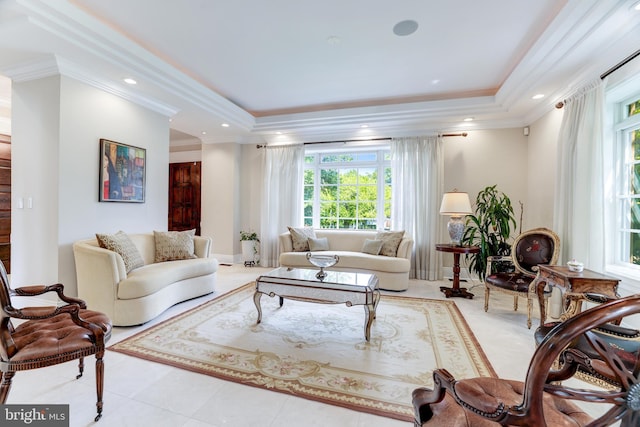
(318, 351)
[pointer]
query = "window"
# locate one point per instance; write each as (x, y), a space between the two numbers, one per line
(348, 189)
(628, 183)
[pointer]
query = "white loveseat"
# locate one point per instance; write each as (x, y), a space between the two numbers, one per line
(392, 272)
(138, 296)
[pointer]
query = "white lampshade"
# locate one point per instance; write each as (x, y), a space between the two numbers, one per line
(455, 203)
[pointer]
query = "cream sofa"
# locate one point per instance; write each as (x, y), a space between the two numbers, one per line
(145, 292)
(392, 272)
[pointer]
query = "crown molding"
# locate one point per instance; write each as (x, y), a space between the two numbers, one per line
(66, 21)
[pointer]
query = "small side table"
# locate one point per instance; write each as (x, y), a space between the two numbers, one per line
(456, 290)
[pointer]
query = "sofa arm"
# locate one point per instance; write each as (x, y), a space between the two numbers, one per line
(98, 272)
(286, 245)
(203, 246)
(405, 248)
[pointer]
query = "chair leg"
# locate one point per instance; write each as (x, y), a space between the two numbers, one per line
(529, 310)
(99, 383)
(80, 367)
(486, 298)
(6, 385)
(515, 303)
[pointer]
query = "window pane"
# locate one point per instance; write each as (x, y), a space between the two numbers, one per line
(633, 108)
(635, 249)
(308, 176)
(309, 159)
(348, 192)
(328, 176)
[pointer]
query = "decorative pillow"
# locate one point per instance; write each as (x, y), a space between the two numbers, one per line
(390, 242)
(372, 247)
(319, 244)
(300, 238)
(174, 245)
(122, 245)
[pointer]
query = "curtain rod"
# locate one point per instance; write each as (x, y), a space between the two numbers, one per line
(345, 141)
(611, 70)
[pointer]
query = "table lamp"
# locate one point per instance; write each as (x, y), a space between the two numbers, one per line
(455, 204)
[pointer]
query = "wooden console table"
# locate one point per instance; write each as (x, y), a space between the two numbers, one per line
(456, 290)
(573, 286)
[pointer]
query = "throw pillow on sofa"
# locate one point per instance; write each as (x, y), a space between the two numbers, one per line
(319, 244)
(300, 238)
(174, 245)
(121, 244)
(390, 242)
(372, 247)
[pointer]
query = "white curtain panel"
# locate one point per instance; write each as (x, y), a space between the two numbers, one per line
(417, 165)
(283, 168)
(579, 194)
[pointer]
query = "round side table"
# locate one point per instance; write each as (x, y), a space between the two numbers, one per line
(456, 290)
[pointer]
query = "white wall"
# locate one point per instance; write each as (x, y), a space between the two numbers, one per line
(221, 198)
(542, 165)
(57, 125)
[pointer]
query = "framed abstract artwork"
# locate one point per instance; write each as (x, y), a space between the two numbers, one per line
(122, 172)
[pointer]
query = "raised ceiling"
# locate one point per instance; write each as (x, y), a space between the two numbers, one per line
(303, 70)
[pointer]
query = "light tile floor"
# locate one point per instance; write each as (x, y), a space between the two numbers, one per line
(139, 393)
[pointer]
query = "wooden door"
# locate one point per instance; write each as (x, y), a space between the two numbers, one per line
(5, 201)
(184, 196)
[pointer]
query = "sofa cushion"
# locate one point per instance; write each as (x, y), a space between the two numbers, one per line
(174, 245)
(319, 244)
(122, 245)
(390, 242)
(372, 246)
(151, 278)
(300, 238)
(352, 261)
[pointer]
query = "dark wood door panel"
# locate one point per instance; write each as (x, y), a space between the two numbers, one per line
(184, 196)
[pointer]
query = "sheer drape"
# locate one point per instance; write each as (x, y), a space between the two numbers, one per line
(579, 196)
(417, 185)
(281, 197)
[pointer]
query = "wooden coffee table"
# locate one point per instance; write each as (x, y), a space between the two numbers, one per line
(336, 288)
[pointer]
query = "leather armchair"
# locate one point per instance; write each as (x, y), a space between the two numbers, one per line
(529, 249)
(47, 336)
(542, 399)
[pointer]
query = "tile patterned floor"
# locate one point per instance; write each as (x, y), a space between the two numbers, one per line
(140, 393)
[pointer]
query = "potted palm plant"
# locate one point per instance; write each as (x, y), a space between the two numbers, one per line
(489, 228)
(249, 241)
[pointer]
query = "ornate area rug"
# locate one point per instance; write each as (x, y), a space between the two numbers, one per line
(318, 351)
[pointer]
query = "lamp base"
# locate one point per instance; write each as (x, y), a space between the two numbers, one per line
(455, 226)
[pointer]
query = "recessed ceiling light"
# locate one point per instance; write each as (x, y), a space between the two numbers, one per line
(333, 40)
(225, 125)
(364, 126)
(405, 28)
(468, 119)
(204, 132)
(278, 133)
(538, 96)
(130, 81)
(636, 6)
(435, 81)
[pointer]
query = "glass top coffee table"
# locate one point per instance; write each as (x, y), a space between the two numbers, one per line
(337, 287)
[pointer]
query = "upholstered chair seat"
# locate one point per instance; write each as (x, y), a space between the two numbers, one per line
(544, 399)
(488, 394)
(45, 336)
(529, 249)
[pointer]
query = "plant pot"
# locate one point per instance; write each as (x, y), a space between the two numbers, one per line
(248, 251)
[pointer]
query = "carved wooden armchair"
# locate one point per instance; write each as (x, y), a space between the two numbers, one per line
(625, 341)
(541, 400)
(529, 249)
(45, 336)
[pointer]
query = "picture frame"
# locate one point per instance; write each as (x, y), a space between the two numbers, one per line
(122, 172)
